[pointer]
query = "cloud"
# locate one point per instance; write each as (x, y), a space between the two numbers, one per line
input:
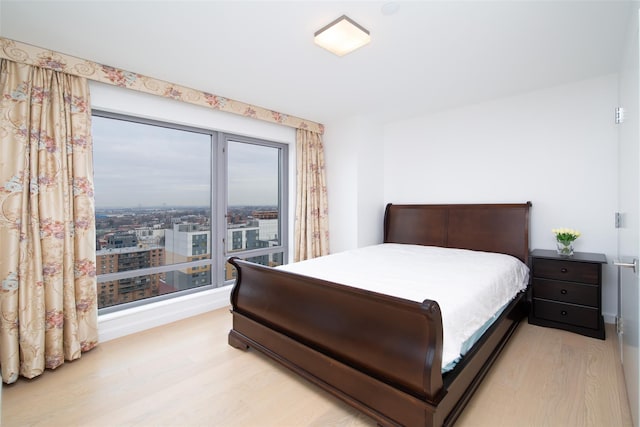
(141, 165)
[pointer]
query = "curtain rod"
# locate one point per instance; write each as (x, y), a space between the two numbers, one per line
(32, 55)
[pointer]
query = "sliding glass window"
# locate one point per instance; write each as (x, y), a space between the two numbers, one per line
(160, 206)
(255, 203)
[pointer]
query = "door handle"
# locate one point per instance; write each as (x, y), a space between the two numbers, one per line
(633, 265)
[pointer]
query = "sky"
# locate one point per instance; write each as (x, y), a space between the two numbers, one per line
(140, 165)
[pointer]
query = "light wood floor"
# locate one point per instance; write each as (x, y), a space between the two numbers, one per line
(185, 374)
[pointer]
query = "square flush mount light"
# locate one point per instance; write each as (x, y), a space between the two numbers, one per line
(342, 36)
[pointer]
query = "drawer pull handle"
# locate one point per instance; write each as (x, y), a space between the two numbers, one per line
(563, 291)
(563, 270)
(563, 312)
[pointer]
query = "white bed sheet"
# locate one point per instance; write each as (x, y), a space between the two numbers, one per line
(469, 286)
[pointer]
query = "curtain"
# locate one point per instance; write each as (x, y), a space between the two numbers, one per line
(46, 58)
(312, 221)
(48, 303)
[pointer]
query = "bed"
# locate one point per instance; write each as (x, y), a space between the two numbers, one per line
(380, 353)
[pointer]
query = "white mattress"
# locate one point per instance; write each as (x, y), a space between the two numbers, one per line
(469, 286)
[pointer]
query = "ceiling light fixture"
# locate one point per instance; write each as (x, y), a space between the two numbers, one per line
(342, 36)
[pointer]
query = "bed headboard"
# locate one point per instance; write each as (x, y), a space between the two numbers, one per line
(502, 228)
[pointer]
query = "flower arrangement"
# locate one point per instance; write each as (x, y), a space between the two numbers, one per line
(564, 239)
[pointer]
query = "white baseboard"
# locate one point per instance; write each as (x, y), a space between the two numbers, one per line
(609, 318)
(126, 322)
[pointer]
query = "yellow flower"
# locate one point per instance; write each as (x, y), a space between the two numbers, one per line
(566, 234)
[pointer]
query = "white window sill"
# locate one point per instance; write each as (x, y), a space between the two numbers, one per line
(126, 322)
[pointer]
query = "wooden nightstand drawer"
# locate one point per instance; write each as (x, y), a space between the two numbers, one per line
(567, 270)
(565, 291)
(587, 317)
(575, 293)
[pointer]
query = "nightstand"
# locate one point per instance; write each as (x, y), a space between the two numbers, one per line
(566, 292)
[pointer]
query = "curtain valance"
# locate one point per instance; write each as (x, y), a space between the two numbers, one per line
(32, 55)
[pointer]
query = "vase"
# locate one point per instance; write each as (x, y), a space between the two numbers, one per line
(564, 248)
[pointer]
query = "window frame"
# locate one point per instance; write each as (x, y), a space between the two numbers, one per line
(218, 212)
(283, 200)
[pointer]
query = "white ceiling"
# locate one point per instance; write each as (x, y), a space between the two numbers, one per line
(426, 57)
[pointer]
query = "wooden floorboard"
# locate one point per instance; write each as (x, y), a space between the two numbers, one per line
(185, 374)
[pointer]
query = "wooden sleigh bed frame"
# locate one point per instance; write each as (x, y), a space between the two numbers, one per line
(378, 353)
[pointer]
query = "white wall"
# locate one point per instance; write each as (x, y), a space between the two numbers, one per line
(370, 183)
(341, 167)
(556, 148)
(125, 101)
(355, 182)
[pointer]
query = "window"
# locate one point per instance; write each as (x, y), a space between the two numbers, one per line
(254, 219)
(167, 197)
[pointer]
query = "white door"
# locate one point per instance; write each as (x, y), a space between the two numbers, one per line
(629, 207)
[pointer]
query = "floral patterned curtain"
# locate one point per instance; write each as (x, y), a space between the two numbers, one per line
(45, 58)
(48, 305)
(312, 220)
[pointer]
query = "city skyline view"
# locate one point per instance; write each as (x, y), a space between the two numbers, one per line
(154, 187)
(135, 239)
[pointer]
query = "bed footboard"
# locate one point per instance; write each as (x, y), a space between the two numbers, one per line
(390, 349)
(380, 354)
